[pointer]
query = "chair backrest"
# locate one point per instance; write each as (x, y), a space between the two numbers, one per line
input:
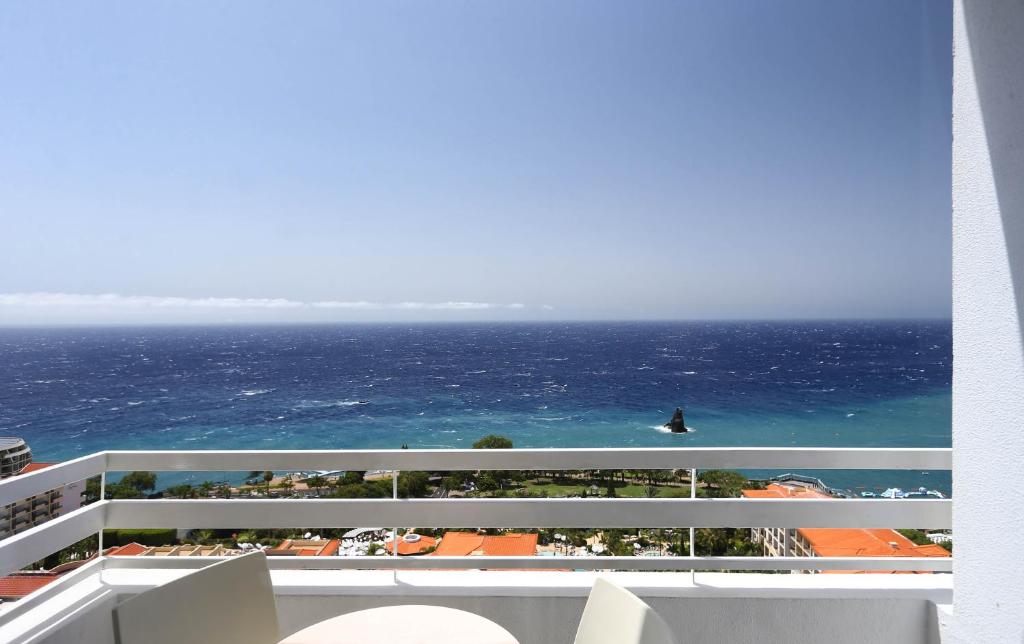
(230, 601)
(614, 615)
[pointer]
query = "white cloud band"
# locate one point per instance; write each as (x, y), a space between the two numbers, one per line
(116, 301)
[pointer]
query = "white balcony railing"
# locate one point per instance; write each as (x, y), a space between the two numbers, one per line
(34, 544)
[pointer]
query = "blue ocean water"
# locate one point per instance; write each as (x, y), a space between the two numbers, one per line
(886, 384)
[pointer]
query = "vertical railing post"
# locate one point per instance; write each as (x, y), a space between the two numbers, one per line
(103, 496)
(693, 533)
(394, 530)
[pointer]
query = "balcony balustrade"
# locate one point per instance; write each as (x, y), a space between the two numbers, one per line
(320, 578)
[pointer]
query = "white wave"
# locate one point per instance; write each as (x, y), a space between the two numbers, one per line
(850, 415)
(689, 373)
(349, 403)
(321, 404)
(255, 392)
(665, 430)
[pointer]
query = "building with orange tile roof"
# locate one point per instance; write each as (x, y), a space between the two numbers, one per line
(777, 542)
(184, 550)
(128, 550)
(860, 542)
(466, 544)
(17, 585)
(832, 542)
(411, 544)
(306, 548)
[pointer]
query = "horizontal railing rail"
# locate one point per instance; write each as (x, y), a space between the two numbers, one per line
(738, 458)
(528, 513)
(38, 542)
(15, 489)
(935, 564)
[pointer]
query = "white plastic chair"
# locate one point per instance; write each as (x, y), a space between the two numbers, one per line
(230, 601)
(614, 615)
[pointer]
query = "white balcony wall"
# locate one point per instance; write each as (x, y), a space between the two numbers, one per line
(988, 308)
(544, 608)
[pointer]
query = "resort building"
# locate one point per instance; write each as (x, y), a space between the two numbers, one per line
(39, 508)
(472, 544)
(777, 542)
(860, 542)
(831, 542)
(305, 548)
(14, 456)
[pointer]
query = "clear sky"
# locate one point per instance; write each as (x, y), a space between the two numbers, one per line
(274, 161)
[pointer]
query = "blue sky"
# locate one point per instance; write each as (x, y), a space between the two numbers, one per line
(247, 161)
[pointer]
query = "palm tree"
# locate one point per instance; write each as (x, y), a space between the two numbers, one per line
(268, 476)
(317, 482)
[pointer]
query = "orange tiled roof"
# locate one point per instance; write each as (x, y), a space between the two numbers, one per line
(412, 548)
(18, 585)
(865, 542)
(777, 491)
(35, 467)
(306, 548)
(129, 550)
(462, 544)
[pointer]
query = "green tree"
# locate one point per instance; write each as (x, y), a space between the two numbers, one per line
(182, 491)
(317, 482)
(353, 477)
(287, 485)
(92, 489)
(268, 476)
(412, 484)
(493, 441)
(132, 485)
(486, 482)
(722, 483)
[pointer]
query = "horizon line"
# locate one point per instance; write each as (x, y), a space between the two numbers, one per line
(313, 323)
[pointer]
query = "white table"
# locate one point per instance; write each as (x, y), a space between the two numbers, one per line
(411, 624)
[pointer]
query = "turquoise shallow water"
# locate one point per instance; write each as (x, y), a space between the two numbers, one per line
(844, 384)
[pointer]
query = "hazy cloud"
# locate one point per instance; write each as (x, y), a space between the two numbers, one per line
(113, 300)
(116, 301)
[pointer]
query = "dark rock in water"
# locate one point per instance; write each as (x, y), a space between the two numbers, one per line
(676, 424)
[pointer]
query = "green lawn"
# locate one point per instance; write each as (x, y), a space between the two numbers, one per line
(628, 490)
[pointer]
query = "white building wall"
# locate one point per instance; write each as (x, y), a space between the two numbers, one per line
(988, 306)
(72, 497)
(553, 619)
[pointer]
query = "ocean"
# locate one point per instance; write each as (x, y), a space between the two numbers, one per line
(70, 392)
